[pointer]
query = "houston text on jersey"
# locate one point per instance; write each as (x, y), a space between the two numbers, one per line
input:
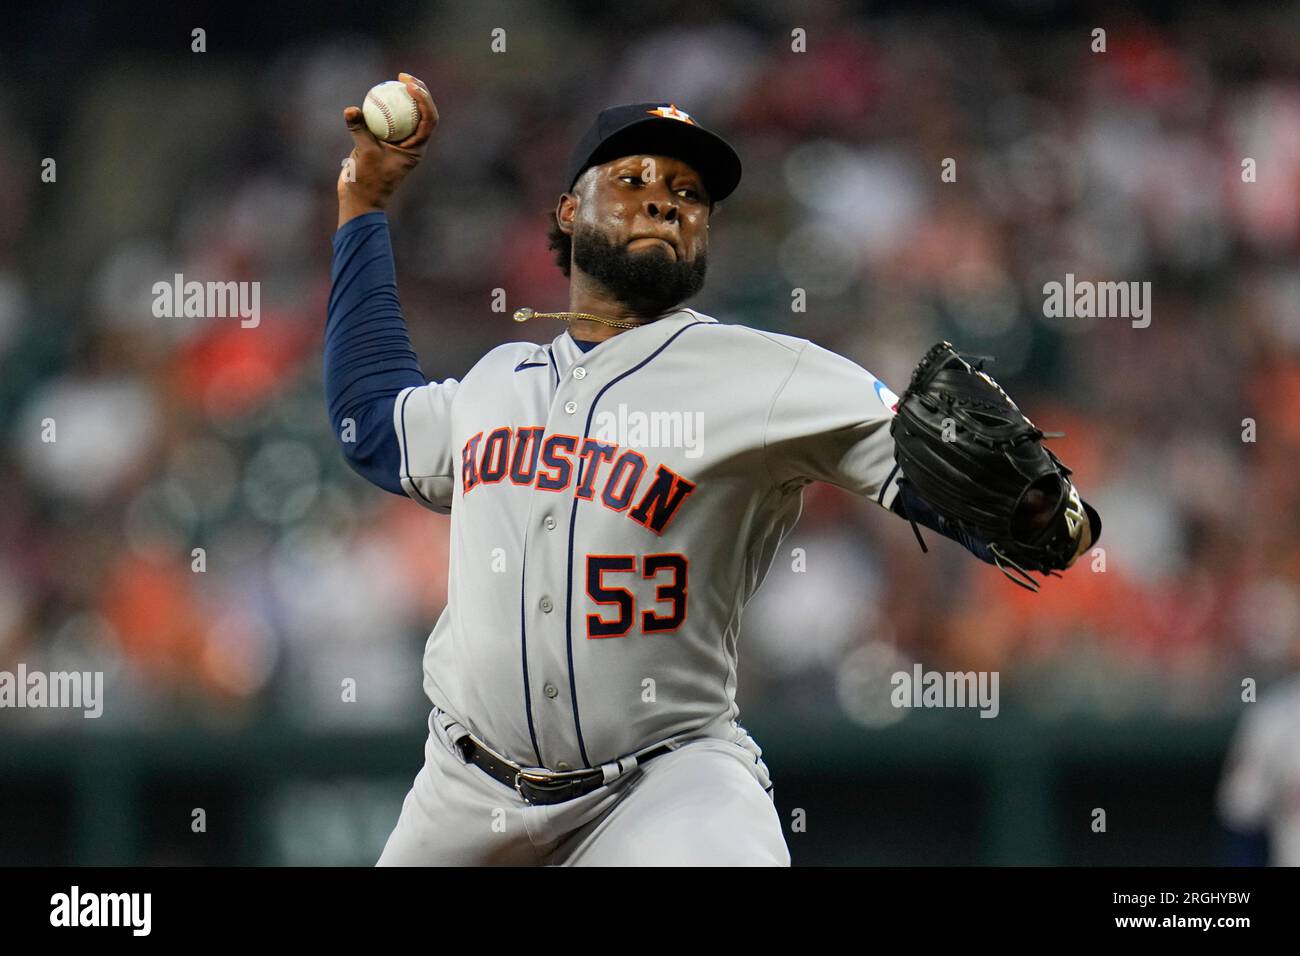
(513, 454)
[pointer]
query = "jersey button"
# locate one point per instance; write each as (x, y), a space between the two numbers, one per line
(551, 691)
(570, 407)
(580, 373)
(546, 605)
(550, 523)
(562, 766)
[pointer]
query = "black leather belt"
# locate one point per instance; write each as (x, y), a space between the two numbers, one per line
(546, 788)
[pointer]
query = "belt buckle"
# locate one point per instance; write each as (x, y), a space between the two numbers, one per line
(544, 789)
(524, 777)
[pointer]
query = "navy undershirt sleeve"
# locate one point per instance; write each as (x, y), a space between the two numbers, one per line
(1247, 848)
(911, 505)
(368, 354)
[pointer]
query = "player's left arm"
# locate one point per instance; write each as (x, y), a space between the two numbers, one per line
(830, 422)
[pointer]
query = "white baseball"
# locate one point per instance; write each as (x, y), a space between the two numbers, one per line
(391, 111)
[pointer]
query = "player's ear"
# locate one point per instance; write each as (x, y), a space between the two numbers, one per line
(565, 212)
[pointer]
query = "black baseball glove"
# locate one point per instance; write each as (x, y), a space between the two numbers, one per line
(968, 451)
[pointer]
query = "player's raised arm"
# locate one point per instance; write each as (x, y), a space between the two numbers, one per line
(368, 354)
(377, 167)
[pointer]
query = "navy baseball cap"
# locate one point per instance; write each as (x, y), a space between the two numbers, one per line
(658, 129)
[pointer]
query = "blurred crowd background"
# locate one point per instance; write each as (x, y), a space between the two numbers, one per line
(177, 434)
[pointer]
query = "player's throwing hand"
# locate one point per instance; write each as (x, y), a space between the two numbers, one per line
(377, 168)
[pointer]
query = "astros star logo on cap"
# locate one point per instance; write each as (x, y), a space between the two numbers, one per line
(672, 112)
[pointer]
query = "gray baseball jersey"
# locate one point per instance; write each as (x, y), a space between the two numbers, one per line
(612, 512)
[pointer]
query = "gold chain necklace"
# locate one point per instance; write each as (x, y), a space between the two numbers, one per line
(524, 314)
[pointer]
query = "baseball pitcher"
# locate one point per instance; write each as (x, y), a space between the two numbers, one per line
(618, 494)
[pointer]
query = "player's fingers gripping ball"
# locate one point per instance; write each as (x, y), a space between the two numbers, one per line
(390, 111)
(970, 453)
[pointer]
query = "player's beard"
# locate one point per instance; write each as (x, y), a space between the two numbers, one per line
(650, 281)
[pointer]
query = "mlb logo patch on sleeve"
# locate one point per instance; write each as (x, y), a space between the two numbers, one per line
(887, 398)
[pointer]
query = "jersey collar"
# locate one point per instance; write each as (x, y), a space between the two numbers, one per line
(640, 341)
